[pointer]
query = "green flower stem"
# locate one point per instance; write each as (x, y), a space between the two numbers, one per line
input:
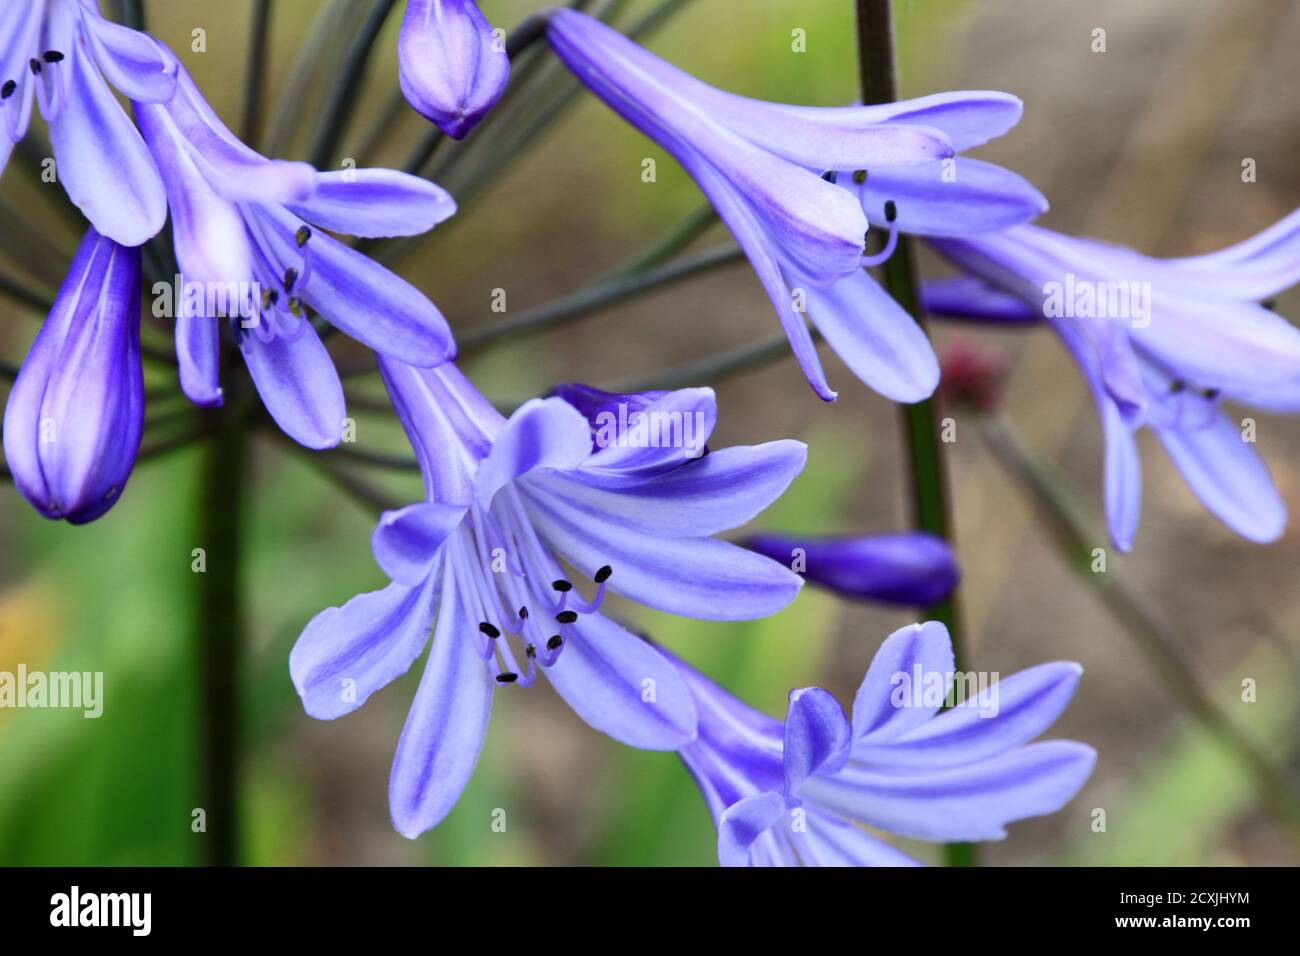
(616, 288)
(1164, 652)
(259, 37)
(928, 469)
(343, 98)
(218, 625)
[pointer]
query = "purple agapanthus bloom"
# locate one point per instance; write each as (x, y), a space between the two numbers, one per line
(913, 569)
(60, 52)
(73, 421)
(1161, 343)
(250, 229)
(452, 65)
(798, 187)
(505, 501)
(784, 794)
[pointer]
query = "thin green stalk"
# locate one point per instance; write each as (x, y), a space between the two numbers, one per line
(614, 289)
(1165, 653)
(259, 38)
(678, 238)
(218, 624)
(344, 96)
(927, 466)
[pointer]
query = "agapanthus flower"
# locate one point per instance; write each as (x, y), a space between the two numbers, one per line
(506, 500)
(912, 568)
(252, 230)
(452, 65)
(798, 187)
(73, 421)
(61, 52)
(1161, 342)
(784, 794)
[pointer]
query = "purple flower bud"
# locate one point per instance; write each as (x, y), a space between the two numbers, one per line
(912, 569)
(73, 422)
(451, 63)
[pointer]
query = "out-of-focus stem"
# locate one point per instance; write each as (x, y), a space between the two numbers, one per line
(218, 624)
(928, 469)
(1163, 651)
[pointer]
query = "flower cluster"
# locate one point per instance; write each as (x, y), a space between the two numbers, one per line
(528, 520)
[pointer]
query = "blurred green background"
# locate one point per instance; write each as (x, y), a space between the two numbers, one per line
(1141, 144)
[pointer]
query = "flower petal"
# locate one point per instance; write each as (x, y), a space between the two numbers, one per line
(543, 433)
(198, 353)
(693, 577)
(406, 542)
(134, 62)
(361, 297)
(967, 297)
(720, 491)
(970, 802)
(915, 649)
(833, 842)
(103, 163)
(956, 197)
(623, 687)
(1010, 713)
(745, 822)
(298, 383)
(875, 337)
(347, 653)
(448, 720)
(817, 737)
(639, 436)
(375, 202)
(1227, 474)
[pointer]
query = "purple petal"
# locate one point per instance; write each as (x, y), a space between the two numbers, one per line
(745, 822)
(969, 802)
(451, 66)
(298, 383)
(911, 569)
(833, 842)
(198, 353)
(375, 202)
(448, 423)
(966, 297)
(693, 577)
(134, 62)
(814, 137)
(347, 653)
(20, 26)
(817, 737)
(875, 337)
(103, 163)
(969, 118)
(720, 491)
(1006, 715)
(360, 297)
(623, 687)
(208, 231)
(406, 542)
(448, 720)
(879, 715)
(542, 434)
(953, 198)
(234, 171)
(675, 429)
(75, 413)
(1227, 474)
(1123, 481)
